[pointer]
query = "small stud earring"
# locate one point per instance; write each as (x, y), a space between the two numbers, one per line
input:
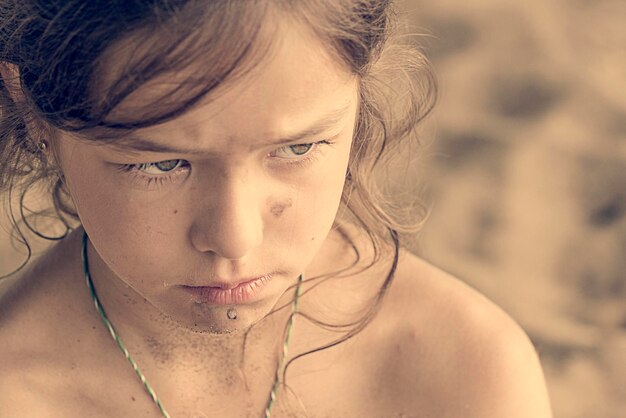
(42, 145)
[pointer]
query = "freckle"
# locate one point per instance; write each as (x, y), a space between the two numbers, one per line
(175, 211)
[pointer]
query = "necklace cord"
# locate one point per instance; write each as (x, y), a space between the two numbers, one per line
(113, 333)
(148, 388)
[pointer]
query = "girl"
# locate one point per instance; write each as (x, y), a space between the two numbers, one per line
(227, 252)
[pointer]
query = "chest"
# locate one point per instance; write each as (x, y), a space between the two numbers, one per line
(340, 382)
(332, 392)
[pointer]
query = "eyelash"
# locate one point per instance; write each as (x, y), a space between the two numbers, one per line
(159, 180)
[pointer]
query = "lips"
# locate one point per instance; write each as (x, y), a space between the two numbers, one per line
(229, 293)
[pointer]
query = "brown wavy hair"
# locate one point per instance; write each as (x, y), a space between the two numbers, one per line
(61, 48)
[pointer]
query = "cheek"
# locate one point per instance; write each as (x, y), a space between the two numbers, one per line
(135, 243)
(121, 227)
(317, 200)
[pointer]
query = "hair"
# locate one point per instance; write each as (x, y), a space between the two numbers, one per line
(61, 48)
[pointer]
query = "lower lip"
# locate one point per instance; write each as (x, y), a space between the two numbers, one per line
(243, 293)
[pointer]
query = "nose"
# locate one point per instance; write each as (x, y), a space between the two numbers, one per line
(229, 219)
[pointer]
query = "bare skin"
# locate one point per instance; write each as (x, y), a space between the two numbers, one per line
(435, 349)
(67, 365)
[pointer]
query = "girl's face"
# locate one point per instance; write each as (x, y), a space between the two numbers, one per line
(216, 196)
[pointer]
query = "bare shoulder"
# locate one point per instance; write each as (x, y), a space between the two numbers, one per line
(39, 325)
(455, 353)
(21, 347)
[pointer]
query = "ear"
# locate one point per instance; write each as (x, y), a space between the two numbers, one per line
(10, 74)
(10, 79)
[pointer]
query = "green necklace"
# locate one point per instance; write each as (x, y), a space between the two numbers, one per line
(150, 391)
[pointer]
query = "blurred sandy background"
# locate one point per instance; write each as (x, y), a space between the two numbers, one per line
(528, 179)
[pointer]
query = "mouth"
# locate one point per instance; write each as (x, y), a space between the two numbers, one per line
(228, 294)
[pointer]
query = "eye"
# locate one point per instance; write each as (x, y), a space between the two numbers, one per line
(298, 150)
(155, 174)
(305, 154)
(160, 167)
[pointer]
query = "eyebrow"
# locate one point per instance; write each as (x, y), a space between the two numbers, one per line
(136, 143)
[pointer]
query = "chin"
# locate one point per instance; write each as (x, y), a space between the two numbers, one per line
(216, 330)
(212, 319)
(220, 326)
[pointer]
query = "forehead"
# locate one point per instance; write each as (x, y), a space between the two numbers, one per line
(296, 81)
